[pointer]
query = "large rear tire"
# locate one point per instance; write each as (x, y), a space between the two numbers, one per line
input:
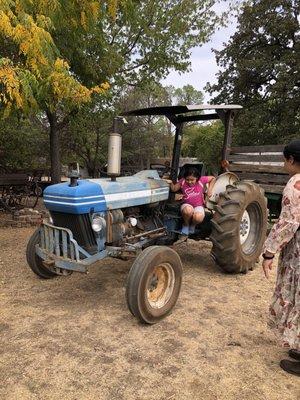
(239, 227)
(154, 283)
(34, 261)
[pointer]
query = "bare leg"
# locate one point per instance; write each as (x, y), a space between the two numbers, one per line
(187, 215)
(197, 218)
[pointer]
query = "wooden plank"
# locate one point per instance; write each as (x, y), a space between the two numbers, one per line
(257, 149)
(13, 179)
(264, 178)
(256, 157)
(276, 169)
(272, 188)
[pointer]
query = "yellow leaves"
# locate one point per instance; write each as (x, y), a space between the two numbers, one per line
(47, 6)
(37, 70)
(33, 41)
(5, 26)
(10, 82)
(83, 19)
(89, 12)
(100, 89)
(15, 87)
(65, 87)
(44, 22)
(94, 8)
(112, 8)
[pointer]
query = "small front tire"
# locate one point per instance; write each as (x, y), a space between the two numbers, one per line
(154, 283)
(34, 261)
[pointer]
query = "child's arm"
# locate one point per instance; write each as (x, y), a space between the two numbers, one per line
(211, 180)
(173, 186)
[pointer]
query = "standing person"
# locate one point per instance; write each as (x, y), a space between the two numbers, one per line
(285, 237)
(192, 188)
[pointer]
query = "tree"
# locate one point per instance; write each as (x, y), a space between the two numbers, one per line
(260, 70)
(186, 95)
(84, 139)
(149, 136)
(205, 143)
(144, 138)
(34, 72)
(28, 150)
(56, 54)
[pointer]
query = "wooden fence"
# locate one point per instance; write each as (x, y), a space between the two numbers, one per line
(261, 164)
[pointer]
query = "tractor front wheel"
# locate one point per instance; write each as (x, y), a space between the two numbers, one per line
(154, 283)
(34, 261)
(239, 227)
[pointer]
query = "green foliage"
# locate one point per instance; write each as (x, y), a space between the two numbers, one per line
(81, 45)
(148, 38)
(185, 95)
(56, 54)
(260, 70)
(32, 64)
(85, 138)
(23, 145)
(205, 143)
(145, 137)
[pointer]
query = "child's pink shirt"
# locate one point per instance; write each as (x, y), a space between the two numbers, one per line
(193, 195)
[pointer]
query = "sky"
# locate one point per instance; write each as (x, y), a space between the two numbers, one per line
(203, 63)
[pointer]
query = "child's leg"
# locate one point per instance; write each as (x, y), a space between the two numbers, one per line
(187, 214)
(198, 217)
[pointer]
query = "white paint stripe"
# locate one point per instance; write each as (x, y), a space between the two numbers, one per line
(74, 198)
(160, 189)
(163, 190)
(73, 204)
(128, 195)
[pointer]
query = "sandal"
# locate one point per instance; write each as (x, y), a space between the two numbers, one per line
(291, 367)
(295, 354)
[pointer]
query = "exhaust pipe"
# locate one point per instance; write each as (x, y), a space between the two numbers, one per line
(115, 150)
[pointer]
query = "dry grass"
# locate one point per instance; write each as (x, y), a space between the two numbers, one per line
(73, 338)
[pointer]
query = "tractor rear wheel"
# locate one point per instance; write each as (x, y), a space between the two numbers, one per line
(239, 227)
(154, 283)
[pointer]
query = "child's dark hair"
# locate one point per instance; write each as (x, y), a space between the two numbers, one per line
(192, 171)
(292, 149)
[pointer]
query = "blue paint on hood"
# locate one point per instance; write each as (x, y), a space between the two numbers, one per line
(75, 199)
(98, 195)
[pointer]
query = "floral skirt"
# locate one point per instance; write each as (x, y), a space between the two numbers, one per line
(284, 316)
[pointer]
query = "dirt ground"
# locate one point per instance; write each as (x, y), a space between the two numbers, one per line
(74, 338)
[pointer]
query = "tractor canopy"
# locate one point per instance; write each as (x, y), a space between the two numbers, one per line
(181, 114)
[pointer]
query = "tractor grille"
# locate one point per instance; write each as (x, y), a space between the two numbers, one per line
(80, 225)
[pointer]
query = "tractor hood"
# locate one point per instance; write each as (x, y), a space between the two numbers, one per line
(96, 195)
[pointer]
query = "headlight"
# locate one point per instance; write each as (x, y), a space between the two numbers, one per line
(98, 223)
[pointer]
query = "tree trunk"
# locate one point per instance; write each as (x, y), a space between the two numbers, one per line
(54, 148)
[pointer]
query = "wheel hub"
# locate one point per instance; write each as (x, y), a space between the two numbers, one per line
(244, 227)
(161, 285)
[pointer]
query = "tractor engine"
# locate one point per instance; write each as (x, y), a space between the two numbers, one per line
(108, 211)
(102, 212)
(131, 224)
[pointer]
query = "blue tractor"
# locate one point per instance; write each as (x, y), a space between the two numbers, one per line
(137, 216)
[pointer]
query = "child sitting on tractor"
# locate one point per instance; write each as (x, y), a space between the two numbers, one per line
(192, 189)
